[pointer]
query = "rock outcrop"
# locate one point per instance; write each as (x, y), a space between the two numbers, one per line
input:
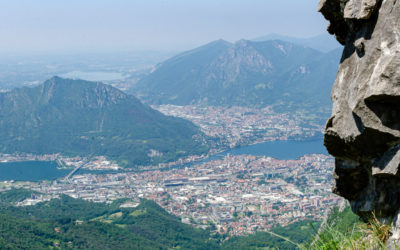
(364, 131)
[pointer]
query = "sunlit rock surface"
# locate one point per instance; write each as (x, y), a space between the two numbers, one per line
(364, 131)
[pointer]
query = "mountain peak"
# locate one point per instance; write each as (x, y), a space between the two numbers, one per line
(322, 42)
(54, 79)
(217, 44)
(255, 73)
(77, 117)
(220, 41)
(242, 43)
(80, 92)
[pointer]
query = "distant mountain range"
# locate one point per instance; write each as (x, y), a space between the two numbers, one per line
(246, 73)
(77, 117)
(323, 42)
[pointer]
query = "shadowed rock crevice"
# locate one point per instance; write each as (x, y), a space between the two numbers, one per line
(369, 144)
(351, 178)
(386, 108)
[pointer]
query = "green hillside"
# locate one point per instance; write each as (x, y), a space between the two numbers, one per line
(74, 223)
(76, 117)
(299, 233)
(70, 223)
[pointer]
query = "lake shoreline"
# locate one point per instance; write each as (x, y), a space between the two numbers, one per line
(278, 149)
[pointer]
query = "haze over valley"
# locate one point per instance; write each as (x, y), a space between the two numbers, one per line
(144, 139)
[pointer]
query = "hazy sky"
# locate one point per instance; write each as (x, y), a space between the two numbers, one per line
(80, 25)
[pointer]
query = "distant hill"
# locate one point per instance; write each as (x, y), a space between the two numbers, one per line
(323, 42)
(76, 117)
(246, 73)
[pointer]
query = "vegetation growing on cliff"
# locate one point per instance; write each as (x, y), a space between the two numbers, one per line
(344, 230)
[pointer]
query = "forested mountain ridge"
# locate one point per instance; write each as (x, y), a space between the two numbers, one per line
(76, 117)
(246, 73)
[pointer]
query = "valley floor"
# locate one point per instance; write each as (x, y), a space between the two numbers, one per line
(238, 194)
(233, 126)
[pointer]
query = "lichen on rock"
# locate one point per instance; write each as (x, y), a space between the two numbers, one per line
(363, 133)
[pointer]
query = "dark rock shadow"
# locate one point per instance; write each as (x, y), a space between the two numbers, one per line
(386, 108)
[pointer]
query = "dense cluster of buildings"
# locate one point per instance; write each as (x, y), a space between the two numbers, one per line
(238, 194)
(243, 125)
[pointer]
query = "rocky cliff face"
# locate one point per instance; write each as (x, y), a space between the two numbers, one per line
(364, 130)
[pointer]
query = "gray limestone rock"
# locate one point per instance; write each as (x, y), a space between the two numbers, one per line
(388, 164)
(364, 131)
(356, 9)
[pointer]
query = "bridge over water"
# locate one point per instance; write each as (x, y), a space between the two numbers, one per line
(73, 171)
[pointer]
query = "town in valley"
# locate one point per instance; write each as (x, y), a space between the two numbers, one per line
(237, 195)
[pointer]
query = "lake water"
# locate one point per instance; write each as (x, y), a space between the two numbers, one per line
(283, 150)
(31, 171)
(44, 170)
(94, 75)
